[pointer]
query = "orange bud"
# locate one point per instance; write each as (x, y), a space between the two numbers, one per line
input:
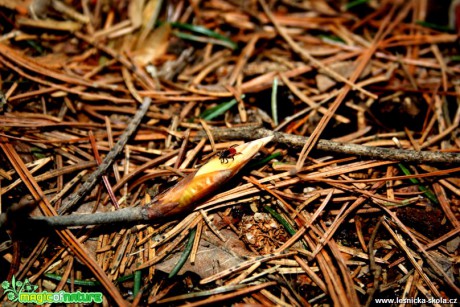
(186, 194)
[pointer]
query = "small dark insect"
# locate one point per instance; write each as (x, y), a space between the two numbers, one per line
(228, 153)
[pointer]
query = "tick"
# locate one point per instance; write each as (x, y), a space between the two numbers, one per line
(228, 153)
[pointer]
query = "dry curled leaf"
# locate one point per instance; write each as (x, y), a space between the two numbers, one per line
(154, 46)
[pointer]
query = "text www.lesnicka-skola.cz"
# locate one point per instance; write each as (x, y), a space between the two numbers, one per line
(416, 300)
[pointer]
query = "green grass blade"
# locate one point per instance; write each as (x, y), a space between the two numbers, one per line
(352, 4)
(265, 160)
(281, 220)
(185, 254)
(422, 188)
(434, 26)
(218, 110)
(137, 282)
(203, 31)
(86, 283)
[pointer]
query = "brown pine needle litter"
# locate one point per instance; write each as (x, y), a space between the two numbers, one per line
(188, 153)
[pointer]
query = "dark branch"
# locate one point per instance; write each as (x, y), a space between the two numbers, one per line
(126, 215)
(377, 153)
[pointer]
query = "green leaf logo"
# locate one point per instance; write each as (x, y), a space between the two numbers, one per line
(13, 289)
(5, 285)
(28, 287)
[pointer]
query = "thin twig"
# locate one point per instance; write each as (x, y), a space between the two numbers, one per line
(89, 184)
(375, 269)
